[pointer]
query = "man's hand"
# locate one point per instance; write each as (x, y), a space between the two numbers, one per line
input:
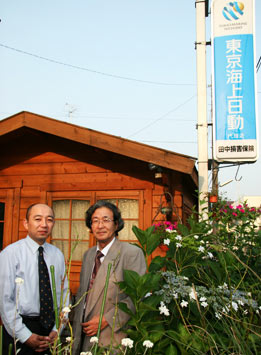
(90, 328)
(38, 342)
(53, 335)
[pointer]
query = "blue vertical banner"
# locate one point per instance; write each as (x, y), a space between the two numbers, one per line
(235, 128)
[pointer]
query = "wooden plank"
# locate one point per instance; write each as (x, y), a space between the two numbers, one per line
(120, 194)
(147, 208)
(49, 157)
(51, 168)
(7, 183)
(9, 202)
(28, 201)
(16, 215)
(76, 181)
(96, 186)
(33, 192)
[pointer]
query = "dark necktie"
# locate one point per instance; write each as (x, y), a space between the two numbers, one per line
(45, 292)
(97, 264)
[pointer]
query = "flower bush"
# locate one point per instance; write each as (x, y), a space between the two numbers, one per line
(204, 296)
(164, 231)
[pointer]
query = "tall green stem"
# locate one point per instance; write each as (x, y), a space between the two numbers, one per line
(54, 297)
(103, 304)
(57, 341)
(10, 349)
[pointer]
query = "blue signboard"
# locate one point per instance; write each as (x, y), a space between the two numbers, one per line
(235, 113)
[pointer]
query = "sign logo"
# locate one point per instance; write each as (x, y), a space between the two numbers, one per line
(233, 10)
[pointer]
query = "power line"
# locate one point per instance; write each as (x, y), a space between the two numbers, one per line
(91, 70)
(160, 118)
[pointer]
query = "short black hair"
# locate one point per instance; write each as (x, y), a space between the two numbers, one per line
(116, 214)
(28, 211)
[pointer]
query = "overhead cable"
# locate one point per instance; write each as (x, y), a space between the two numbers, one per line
(92, 70)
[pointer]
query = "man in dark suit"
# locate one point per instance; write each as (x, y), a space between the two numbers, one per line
(104, 220)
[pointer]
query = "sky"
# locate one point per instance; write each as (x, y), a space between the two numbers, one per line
(123, 67)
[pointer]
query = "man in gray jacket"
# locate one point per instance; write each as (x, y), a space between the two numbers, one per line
(104, 220)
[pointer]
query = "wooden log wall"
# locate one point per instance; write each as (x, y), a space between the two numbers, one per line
(32, 180)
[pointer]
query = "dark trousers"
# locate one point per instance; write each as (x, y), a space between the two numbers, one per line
(35, 326)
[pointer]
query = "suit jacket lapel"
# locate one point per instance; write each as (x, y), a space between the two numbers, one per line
(99, 283)
(88, 268)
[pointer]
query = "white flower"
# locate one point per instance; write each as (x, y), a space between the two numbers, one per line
(249, 294)
(184, 303)
(66, 310)
(202, 299)
(225, 309)
(178, 245)
(259, 308)
(148, 294)
(235, 306)
(178, 237)
(163, 309)
(19, 281)
(245, 311)
(166, 241)
(196, 236)
(185, 278)
(85, 353)
(234, 248)
(175, 295)
(201, 249)
(204, 304)
(169, 230)
(94, 340)
(210, 231)
(127, 342)
(68, 339)
(210, 255)
(257, 311)
(193, 294)
(223, 287)
(240, 302)
(218, 315)
(202, 242)
(147, 344)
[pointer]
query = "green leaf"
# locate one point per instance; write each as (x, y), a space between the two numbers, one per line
(172, 350)
(152, 242)
(141, 236)
(131, 278)
(156, 264)
(122, 306)
(183, 229)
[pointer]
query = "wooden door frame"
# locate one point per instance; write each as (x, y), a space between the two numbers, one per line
(11, 199)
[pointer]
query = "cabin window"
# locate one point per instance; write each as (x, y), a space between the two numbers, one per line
(2, 218)
(130, 213)
(69, 231)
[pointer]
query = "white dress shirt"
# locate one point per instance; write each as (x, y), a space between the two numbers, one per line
(20, 261)
(105, 249)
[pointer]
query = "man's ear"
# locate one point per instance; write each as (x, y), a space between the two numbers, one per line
(25, 223)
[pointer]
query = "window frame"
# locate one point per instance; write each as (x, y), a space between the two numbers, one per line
(94, 196)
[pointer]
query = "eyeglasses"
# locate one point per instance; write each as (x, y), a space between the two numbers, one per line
(104, 221)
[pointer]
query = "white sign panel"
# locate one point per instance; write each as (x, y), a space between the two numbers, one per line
(234, 99)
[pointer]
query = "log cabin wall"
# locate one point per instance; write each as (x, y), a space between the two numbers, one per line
(41, 167)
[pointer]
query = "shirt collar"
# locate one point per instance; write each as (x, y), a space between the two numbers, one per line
(33, 245)
(107, 248)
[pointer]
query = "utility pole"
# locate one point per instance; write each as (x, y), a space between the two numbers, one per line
(202, 124)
